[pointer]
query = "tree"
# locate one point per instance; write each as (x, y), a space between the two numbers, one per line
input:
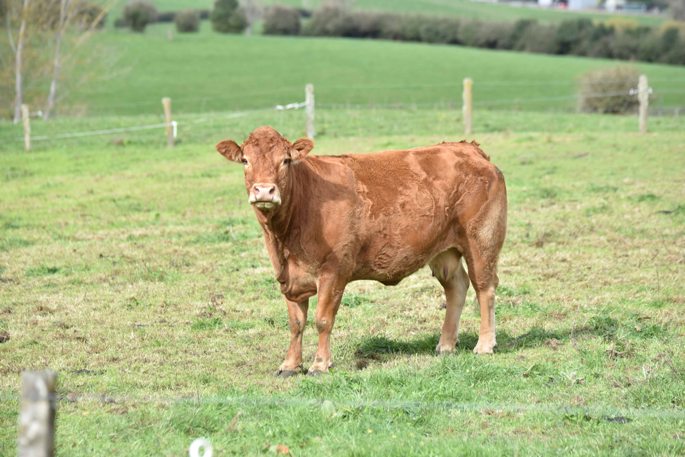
(57, 60)
(18, 50)
(139, 13)
(253, 11)
(227, 17)
(38, 33)
(281, 20)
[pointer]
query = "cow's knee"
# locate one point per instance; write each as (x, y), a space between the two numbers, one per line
(323, 324)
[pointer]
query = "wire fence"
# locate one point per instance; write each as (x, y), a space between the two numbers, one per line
(379, 117)
(336, 404)
(39, 405)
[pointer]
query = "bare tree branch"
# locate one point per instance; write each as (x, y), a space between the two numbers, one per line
(9, 33)
(64, 17)
(18, 82)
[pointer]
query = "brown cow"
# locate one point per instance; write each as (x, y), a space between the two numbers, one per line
(328, 221)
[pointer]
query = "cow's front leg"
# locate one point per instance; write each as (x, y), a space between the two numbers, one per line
(297, 319)
(330, 293)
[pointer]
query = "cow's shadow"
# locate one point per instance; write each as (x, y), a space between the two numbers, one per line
(382, 348)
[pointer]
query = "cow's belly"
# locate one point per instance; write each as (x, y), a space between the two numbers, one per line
(390, 261)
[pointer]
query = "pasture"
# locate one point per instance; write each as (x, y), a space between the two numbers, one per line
(138, 273)
(213, 72)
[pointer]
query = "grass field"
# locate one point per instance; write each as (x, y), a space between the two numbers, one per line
(138, 273)
(462, 8)
(213, 72)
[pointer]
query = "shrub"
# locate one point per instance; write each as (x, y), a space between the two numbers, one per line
(227, 17)
(328, 21)
(282, 20)
(90, 15)
(404, 28)
(571, 35)
(442, 30)
(614, 82)
(625, 45)
(187, 21)
(139, 13)
(494, 35)
(621, 23)
(166, 16)
(538, 38)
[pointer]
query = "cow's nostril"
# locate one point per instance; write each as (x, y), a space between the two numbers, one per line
(272, 190)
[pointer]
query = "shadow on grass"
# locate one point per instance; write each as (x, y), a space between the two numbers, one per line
(380, 347)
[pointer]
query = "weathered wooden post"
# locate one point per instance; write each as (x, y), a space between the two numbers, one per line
(309, 109)
(468, 105)
(643, 97)
(37, 416)
(27, 127)
(166, 103)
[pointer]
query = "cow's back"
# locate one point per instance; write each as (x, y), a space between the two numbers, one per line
(410, 205)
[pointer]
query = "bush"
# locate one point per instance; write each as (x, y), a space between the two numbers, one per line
(90, 15)
(166, 16)
(614, 82)
(403, 28)
(282, 20)
(227, 17)
(139, 13)
(625, 45)
(328, 21)
(538, 38)
(187, 21)
(618, 39)
(572, 35)
(442, 30)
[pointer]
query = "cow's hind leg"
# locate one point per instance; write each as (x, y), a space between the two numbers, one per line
(485, 237)
(448, 269)
(482, 263)
(297, 319)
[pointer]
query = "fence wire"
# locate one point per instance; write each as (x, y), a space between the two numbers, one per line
(332, 405)
(386, 117)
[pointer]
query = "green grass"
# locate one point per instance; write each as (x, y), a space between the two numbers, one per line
(212, 72)
(461, 8)
(138, 273)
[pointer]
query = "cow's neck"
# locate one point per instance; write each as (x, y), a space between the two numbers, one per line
(279, 223)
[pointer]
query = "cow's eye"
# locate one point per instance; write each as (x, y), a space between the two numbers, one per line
(244, 161)
(287, 161)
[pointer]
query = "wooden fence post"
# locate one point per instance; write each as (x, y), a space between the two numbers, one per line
(643, 97)
(27, 127)
(166, 103)
(309, 109)
(468, 105)
(37, 416)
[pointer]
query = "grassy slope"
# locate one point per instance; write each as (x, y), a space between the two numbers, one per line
(139, 273)
(209, 71)
(461, 8)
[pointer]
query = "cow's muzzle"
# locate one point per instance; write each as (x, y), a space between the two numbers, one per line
(265, 196)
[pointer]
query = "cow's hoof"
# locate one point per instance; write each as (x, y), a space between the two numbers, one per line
(287, 373)
(483, 348)
(444, 350)
(316, 373)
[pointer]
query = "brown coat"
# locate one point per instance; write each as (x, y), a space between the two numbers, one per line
(382, 216)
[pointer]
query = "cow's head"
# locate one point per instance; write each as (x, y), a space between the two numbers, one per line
(268, 159)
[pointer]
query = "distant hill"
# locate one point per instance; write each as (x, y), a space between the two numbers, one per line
(208, 71)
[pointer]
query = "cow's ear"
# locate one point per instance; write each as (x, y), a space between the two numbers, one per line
(230, 150)
(301, 148)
